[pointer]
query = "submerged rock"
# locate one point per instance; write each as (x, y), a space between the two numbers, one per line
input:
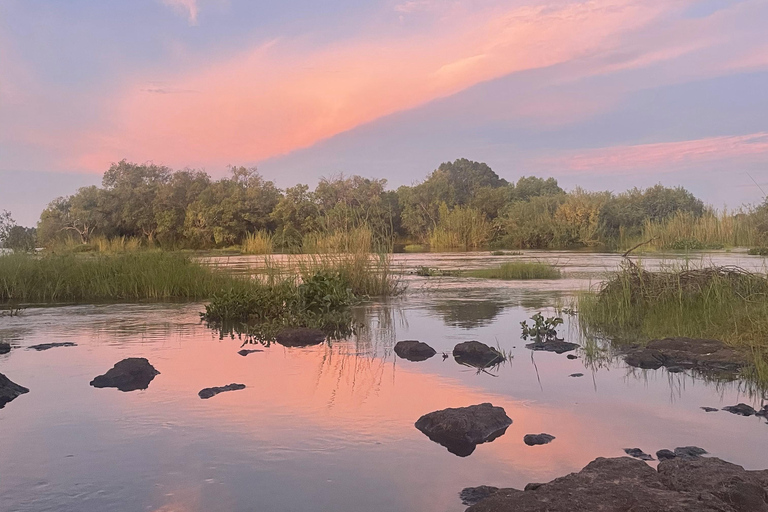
(461, 429)
(473, 495)
(5, 348)
(687, 353)
(300, 337)
(127, 375)
(556, 346)
(477, 354)
(244, 352)
(710, 409)
(740, 409)
(47, 346)
(572, 356)
(623, 484)
(414, 350)
(537, 439)
(9, 390)
(637, 453)
(210, 392)
(576, 375)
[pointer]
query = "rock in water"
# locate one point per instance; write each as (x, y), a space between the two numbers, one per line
(637, 453)
(710, 409)
(624, 484)
(473, 495)
(740, 409)
(461, 429)
(300, 337)
(414, 350)
(556, 346)
(537, 439)
(5, 348)
(9, 390)
(689, 452)
(209, 392)
(47, 346)
(687, 353)
(244, 352)
(571, 356)
(476, 354)
(576, 375)
(665, 454)
(127, 375)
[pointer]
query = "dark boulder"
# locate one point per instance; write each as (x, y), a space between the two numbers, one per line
(476, 354)
(710, 409)
(414, 350)
(473, 495)
(637, 453)
(576, 375)
(5, 348)
(572, 356)
(537, 439)
(210, 392)
(665, 454)
(300, 337)
(740, 409)
(244, 352)
(677, 354)
(127, 375)
(689, 452)
(624, 484)
(47, 346)
(461, 429)
(9, 390)
(556, 346)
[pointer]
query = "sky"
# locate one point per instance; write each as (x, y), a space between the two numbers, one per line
(602, 94)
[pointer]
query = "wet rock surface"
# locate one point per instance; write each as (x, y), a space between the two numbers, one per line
(244, 352)
(710, 409)
(300, 337)
(127, 375)
(637, 453)
(740, 409)
(461, 429)
(556, 346)
(677, 354)
(9, 390)
(5, 348)
(537, 439)
(477, 354)
(414, 350)
(473, 495)
(624, 484)
(211, 392)
(48, 346)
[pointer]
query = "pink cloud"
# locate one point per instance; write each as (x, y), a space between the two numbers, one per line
(667, 155)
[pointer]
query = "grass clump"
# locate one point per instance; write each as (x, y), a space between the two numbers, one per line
(130, 276)
(259, 242)
(518, 270)
(758, 251)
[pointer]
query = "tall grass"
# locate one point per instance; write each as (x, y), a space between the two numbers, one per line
(518, 270)
(710, 231)
(260, 242)
(144, 275)
(355, 240)
(461, 228)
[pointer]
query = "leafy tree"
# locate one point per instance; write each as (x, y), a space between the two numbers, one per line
(6, 225)
(21, 239)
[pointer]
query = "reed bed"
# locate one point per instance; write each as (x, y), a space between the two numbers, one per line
(518, 270)
(461, 228)
(260, 242)
(684, 231)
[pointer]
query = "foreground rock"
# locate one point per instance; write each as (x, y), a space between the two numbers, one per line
(473, 495)
(740, 409)
(476, 354)
(48, 346)
(127, 375)
(300, 337)
(210, 392)
(5, 348)
(9, 390)
(537, 439)
(244, 352)
(461, 429)
(707, 356)
(628, 485)
(556, 346)
(414, 350)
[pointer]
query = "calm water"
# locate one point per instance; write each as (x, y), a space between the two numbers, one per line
(330, 428)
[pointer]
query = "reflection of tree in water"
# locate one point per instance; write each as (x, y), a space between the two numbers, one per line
(468, 314)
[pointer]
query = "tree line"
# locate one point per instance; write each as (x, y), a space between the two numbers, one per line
(460, 205)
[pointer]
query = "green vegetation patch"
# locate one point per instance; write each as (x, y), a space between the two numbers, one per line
(518, 270)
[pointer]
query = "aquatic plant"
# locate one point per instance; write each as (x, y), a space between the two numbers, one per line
(542, 329)
(518, 270)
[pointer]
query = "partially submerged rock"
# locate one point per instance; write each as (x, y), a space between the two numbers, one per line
(637, 453)
(556, 346)
(476, 354)
(473, 495)
(461, 429)
(710, 409)
(48, 346)
(572, 356)
(740, 409)
(414, 350)
(706, 356)
(5, 348)
(624, 484)
(665, 454)
(244, 352)
(682, 452)
(210, 392)
(300, 337)
(127, 375)
(9, 390)
(576, 375)
(537, 439)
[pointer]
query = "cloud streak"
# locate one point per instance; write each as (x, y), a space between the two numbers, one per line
(187, 7)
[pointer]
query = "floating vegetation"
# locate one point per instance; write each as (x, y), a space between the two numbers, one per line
(518, 270)
(436, 272)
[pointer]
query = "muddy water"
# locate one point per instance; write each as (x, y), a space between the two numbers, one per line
(331, 427)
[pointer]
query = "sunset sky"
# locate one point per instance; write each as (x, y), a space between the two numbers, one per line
(605, 94)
